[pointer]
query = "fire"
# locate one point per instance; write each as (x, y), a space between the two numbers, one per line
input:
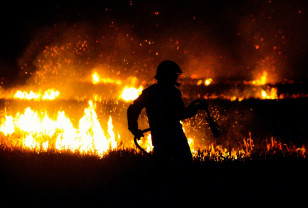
(262, 80)
(8, 126)
(37, 131)
(49, 94)
(25, 95)
(206, 82)
(146, 143)
(269, 94)
(96, 79)
(131, 93)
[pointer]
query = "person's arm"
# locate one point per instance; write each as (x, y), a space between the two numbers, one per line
(133, 113)
(189, 111)
(193, 108)
(186, 112)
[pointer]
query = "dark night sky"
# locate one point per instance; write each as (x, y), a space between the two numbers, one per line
(234, 38)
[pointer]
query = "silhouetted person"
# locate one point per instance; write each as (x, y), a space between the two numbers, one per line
(165, 109)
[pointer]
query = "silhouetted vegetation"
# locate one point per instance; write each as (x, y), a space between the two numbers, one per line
(127, 178)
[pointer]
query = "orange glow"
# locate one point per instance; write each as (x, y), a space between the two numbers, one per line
(96, 79)
(262, 80)
(208, 81)
(26, 95)
(49, 94)
(269, 94)
(38, 132)
(146, 143)
(131, 93)
(82, 71)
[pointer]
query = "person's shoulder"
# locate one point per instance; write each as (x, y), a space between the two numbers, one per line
(152, 88)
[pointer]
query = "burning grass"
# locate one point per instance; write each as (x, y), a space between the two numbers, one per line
(76, 152)
(95, 128)
(248, 151)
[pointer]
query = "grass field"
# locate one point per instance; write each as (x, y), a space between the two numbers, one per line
(126, 178)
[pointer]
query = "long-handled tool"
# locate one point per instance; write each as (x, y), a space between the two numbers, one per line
(215, 128)
(137, 144)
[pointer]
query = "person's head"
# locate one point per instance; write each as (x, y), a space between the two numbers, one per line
(167, 73)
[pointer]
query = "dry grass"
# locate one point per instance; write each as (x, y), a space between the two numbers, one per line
(127, 178)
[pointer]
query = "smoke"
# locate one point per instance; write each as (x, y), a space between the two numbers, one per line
(222, 40)
(65, 53)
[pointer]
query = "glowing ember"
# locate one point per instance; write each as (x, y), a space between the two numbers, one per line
(131, 93)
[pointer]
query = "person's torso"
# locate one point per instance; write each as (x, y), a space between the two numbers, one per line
(163, 107)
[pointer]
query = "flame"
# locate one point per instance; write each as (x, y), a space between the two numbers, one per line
(269, 94)
(38, 132)
(8, 126)
(96, 79)
(206, 82)
(49, 94)
(191, 145)
(25, 95)
(262, 80)
(146, 143)
(131, 93)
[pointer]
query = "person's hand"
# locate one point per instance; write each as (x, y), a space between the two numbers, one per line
(138, 134)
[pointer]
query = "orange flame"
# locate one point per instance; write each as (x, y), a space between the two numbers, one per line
(206, 82)
(49, 94)
(262, 80)
(39, 133)
(96, 79)
(131, 93)
(269, 94)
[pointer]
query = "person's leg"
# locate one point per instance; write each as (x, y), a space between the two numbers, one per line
(182, 154)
